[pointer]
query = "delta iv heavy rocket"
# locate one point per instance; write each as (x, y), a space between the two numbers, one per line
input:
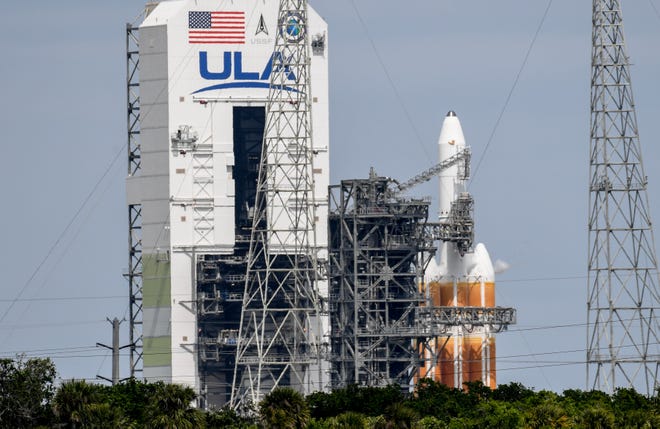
(460, 279)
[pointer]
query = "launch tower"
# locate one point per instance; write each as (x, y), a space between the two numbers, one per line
(281, 334)
(379, 248)
(623, 295)
(199, 77)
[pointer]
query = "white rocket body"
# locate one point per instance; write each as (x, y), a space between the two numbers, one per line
(460, 281)
(450, 143)
(475, 266)
(451, 264)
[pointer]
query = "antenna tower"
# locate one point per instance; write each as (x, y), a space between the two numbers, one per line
(279, 335)
(623, 329)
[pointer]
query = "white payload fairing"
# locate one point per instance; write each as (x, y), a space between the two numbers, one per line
(450, 143)
(460, 279)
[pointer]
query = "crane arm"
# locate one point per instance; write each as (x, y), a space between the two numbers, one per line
(427, 175)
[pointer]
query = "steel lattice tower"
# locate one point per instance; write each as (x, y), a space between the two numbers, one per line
(280, 322)
(134, 274)
(622, 343)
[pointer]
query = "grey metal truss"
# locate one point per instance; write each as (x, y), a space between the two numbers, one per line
(134, 274)
(378, 252)
(623, 296)
(279, 336)
(459, 228)
(383, 324)
(463, 156)
(221, 277)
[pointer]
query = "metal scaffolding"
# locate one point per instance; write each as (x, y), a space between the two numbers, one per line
(134, 274)
(220, 277)
(220, 286)
(279, 336)
(378, 252)
(623, 297)
(383, 324)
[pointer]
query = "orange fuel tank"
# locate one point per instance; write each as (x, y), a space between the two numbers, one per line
(463, 281)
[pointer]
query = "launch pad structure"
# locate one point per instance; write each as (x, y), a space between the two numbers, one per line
(199, 237)
(385, 326)
(233, 288)
(379, 248)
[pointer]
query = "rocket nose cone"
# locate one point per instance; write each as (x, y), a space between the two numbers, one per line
(451, 133)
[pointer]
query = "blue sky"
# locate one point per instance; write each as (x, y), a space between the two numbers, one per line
(63, 122)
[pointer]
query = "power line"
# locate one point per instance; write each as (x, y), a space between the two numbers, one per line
(64, 350)
(655, 9)
(21, 352)
(83, 298)
(80, 209)
(389, 79)
(577, 324)
(62, 234)
(513, 87)
(542, 279)
(49, 324)
(108, 297)
(66, 298)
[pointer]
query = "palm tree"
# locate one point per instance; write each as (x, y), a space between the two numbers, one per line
(284, 408)
(597, 417)
(398, 416)
(349, 420)
(103, 416)
(170, 407)
(72, 399)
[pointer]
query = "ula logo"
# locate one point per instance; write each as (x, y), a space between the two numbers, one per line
(232, 69)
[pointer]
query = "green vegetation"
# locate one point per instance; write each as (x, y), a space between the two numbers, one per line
(29, 399)
(26, 388)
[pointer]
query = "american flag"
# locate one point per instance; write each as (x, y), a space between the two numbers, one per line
(216, 27)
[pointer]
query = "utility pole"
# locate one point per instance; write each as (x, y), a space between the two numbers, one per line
(279, 336)
(623, 298)
(115, 352)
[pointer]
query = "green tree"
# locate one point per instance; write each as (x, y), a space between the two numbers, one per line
(170, 407)
(320, 423)
(72, 401)
(631, 409)
(498, 415)
(102, 416)
(398, 416)
(26, 387)
(132, 398)
(284, 408)
(512, 392)
(430, 422)
(477, 391)
(226, 418)
(548, 415)
(438, 400)
(583, 399)
(348, 420)
(370, 401)
(597, 417)
(462, 423)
